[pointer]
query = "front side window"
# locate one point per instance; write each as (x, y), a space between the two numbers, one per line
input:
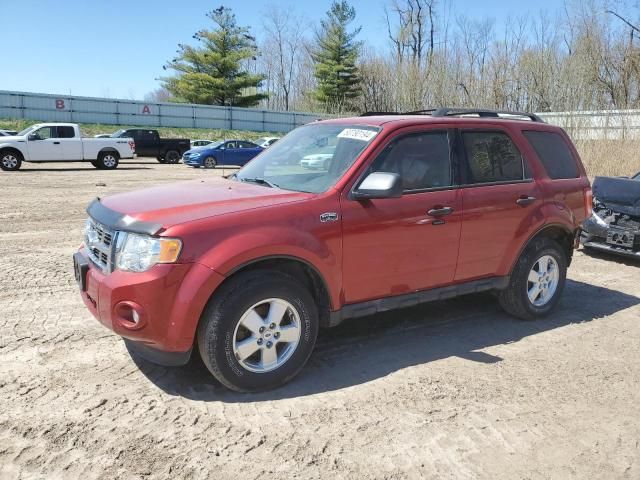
(44, 133)
(492, 157)
(422, 160)
(311, 158)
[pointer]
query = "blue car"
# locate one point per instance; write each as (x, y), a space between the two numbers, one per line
(229, 152)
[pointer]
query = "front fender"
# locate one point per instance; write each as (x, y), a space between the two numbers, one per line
(245, 248)
(20, 148)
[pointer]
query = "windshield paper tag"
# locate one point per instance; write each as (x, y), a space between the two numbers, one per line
(357, 134)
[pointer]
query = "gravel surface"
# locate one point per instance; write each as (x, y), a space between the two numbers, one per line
(453, 389)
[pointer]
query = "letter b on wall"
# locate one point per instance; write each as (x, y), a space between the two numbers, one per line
(60, 104)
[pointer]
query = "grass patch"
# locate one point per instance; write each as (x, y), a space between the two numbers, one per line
(91, 129)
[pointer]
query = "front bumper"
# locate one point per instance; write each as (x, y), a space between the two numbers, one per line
(192, 162)
(594, 235)
(168, 301)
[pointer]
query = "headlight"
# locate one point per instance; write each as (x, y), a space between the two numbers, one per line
(194, 155)
(599, 220)
(139, 253)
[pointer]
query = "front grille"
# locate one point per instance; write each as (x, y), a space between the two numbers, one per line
(100, 244)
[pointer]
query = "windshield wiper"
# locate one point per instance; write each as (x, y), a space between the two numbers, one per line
(259, 181)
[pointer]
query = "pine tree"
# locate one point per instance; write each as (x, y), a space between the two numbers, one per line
(215, 73)
(335, 59)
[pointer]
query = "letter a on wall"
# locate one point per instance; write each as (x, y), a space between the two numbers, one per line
(146, 110)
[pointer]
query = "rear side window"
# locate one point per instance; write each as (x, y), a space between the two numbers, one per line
(492, 157)
(554, 153)
(66, 132)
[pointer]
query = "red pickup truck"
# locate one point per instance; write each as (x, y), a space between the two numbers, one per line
(243, 271)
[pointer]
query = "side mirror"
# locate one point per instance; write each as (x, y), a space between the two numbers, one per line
(222, 147)
(379, 185)
(33, 137)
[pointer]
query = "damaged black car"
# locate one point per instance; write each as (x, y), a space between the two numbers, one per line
(614, 225)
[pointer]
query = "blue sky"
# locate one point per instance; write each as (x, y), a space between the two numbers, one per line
(116, 48)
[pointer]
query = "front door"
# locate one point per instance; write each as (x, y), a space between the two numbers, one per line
(400, 245)
(44, 144)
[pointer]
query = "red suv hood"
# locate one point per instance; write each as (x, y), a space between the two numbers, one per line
(181, 202)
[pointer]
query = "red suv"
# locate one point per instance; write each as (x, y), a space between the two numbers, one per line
(404, 209)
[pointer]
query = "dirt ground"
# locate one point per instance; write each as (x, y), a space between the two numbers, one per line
(454, 389)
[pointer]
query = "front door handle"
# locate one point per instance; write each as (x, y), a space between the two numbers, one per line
(524, 200)
(56, 143)
(440, 211)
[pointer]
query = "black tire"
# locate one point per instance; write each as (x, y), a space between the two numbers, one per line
(161, 160)
(107, 161)
(10, 160)
(210, 162)
(171, 156)
(515, 299)
(223, 314)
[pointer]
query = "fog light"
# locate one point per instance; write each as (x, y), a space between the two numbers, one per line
(130, 315)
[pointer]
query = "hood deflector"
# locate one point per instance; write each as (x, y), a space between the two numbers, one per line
(622, 195)
(119, 221)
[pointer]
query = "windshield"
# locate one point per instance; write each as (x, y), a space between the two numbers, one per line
(286, 164)
(27, 130)
(117, 134)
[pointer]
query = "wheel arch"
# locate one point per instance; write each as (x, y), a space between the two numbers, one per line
(558, 232)
(108, 150)
(298, 268)
(13, 149)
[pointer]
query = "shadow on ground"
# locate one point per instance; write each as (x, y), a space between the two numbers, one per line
(365, 349)
(611, 257)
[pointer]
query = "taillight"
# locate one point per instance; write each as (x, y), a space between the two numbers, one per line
(588, 202)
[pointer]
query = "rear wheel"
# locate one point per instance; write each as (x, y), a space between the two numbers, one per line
(172, 156)
(108, 160)
(210, 162)
(258, 331)
(537, 281)
(10, 161)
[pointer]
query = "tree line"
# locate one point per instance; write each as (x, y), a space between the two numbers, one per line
(584, 57)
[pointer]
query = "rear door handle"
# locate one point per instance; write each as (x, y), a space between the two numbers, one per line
(56, 143)
(523, 201)
(440, 211)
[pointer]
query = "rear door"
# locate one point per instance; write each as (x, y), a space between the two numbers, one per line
(399, 245)
(71, 144)
(43, 144)
(498, 197)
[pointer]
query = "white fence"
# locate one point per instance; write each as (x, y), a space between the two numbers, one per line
(603, 124)
(598, 124)
(67, 108)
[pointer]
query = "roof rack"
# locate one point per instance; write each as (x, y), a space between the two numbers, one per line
(483, 113)
(455, 112)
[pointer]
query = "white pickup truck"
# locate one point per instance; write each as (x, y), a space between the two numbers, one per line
(62, 142)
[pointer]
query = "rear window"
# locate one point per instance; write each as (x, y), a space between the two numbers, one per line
(554, 153)
(493, 157)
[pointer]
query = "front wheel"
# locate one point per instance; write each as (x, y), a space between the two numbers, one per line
(161, 160)
(258, 331)
(10, 161)
(537, 281)
(210, 162)
(108, 161)
(172, 156)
